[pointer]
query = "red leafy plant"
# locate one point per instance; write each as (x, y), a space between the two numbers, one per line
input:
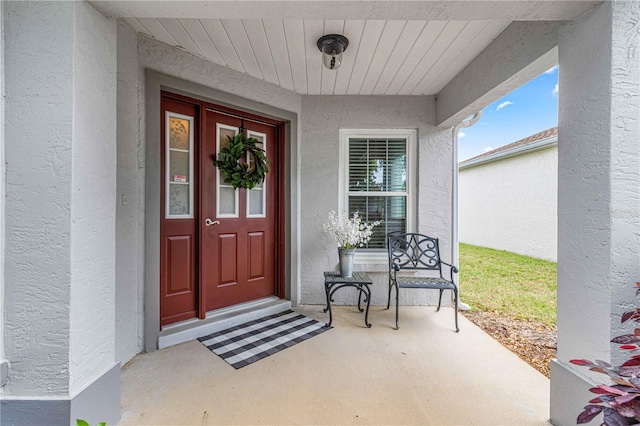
(621, 400)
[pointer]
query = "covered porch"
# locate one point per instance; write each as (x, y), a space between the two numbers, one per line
(84, 217)
(424, 373)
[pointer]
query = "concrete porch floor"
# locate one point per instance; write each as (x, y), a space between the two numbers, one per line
(424, 373)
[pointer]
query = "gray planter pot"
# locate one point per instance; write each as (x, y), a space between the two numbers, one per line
(346, 261)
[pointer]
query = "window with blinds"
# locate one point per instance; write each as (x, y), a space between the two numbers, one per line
(377, 184)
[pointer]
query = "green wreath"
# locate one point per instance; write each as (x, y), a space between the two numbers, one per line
(242, 174)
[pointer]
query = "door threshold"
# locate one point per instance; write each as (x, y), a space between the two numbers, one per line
(220, 319)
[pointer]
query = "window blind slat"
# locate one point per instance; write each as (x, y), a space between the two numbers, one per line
(392, 211)
(377, 165)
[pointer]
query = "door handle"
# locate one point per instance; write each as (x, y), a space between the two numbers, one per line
(210, 222)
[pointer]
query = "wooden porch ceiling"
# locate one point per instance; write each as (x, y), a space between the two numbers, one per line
(383, 57)
(395, 47)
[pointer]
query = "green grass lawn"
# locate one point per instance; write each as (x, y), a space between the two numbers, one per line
(520, 286)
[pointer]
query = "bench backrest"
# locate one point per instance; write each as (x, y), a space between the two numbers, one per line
(414, 251)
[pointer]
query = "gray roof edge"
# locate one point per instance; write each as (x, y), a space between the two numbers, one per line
(519, 150)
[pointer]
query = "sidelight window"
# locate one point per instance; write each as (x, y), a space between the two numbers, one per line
(179, 166)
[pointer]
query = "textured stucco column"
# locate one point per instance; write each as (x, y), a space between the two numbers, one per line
(130, 204)
(598, 194)
(60, 150)
(4, 365)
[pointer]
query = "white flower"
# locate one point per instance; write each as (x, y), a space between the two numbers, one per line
(349, 232)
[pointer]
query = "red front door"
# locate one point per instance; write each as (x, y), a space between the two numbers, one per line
(179, 289)
(239, 244)
(218, 245)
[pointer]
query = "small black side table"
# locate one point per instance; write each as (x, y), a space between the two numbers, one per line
(334, 282)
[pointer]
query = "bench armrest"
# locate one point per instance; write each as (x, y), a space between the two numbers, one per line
(452, 270)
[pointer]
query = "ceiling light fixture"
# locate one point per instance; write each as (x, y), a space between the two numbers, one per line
(332, 46)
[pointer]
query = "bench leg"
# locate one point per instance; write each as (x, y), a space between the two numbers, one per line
(397, 306)
(391, 285)
(327, 289)
(368, 296)
(455, 294)
(440, 300)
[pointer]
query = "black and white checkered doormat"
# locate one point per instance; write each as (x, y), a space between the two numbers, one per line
(247, 343)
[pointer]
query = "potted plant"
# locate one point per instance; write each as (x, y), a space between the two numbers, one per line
(619, 401)
(349, 233)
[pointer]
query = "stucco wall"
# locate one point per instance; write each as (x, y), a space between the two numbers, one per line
(60, 247)
(322, 119)
(511, 204)
(2, 192)
(584, 196)
(93, 215)
(130, 200)
(38, 119)
(625, 161)
(598, 191)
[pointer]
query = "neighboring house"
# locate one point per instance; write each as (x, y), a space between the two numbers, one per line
(508, 197)
(118, 236)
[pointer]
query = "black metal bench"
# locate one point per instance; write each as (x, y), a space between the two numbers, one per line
(417, 252)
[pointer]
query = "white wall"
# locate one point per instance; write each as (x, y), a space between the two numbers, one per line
(38, 120)
(322, 118)
(584, 190)
(60, 195)
(2, 188)
(93, 215)
(129, 201)
(511, 204)
(598, 192)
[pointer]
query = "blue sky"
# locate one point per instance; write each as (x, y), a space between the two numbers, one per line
(523, 112)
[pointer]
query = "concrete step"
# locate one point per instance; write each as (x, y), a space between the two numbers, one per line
(221, 319)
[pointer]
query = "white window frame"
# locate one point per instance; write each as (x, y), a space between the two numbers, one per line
(219, 181)
(252, 134)
(411, 135)
(168, 149)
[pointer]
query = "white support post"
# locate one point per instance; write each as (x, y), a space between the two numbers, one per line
(598, 194)
(455, 239)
